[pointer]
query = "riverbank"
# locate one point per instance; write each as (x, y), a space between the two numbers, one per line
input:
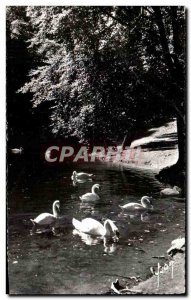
(171, 281)
(159, 149)
(167, 279)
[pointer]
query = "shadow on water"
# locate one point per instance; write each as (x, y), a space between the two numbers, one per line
(67, 263)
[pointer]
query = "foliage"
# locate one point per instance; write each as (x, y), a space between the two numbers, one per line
(105, 71)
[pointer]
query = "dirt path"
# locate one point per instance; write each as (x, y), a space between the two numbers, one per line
(158, 150)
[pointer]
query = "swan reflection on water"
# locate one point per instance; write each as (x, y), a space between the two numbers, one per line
(81, 176)
(109, 245)
(75, 181)
(89, 207)
(144, 217)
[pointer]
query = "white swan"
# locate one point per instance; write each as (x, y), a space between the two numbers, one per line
(92, 195)
(81, 175)
(93, 227)
(170, 192)
(17, 150)
(46, 219)
(145, 204)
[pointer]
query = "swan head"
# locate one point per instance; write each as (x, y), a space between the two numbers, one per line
(57, 204)
(147, 202)
(74, 174)
(111, 228)
(177, 189)
(95, 186)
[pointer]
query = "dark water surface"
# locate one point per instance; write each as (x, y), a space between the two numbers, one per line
(66, 264)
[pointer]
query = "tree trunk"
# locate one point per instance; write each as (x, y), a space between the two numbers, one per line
(181, 130)
(124, 142)
(175, 174)
(163, 38)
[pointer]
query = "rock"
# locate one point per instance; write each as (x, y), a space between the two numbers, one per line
(176, 246)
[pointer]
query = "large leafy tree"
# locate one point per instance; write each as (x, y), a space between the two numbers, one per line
(107, 70)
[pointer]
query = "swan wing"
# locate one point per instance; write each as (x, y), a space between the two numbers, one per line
(77, 224)
(169, 191)
(89, 196)
(92, 226)
(83, 175)
(44, 219)
(132, 206)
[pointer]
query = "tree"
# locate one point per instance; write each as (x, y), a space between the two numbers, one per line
(109, 70)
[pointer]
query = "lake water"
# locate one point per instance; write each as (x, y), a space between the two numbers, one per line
(64, 263)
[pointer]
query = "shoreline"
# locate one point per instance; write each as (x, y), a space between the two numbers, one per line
(172, 281)
(159, 150)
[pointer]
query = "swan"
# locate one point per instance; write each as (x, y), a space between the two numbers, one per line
(17, 150)
(92, 195)
(145, 204)
(93, 227)
(81, 175)
(46, 219)
(170, 192)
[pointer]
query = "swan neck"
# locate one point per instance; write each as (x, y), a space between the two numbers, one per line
(142, 203)
(107, 227)
(55, 210)
(93, 189)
